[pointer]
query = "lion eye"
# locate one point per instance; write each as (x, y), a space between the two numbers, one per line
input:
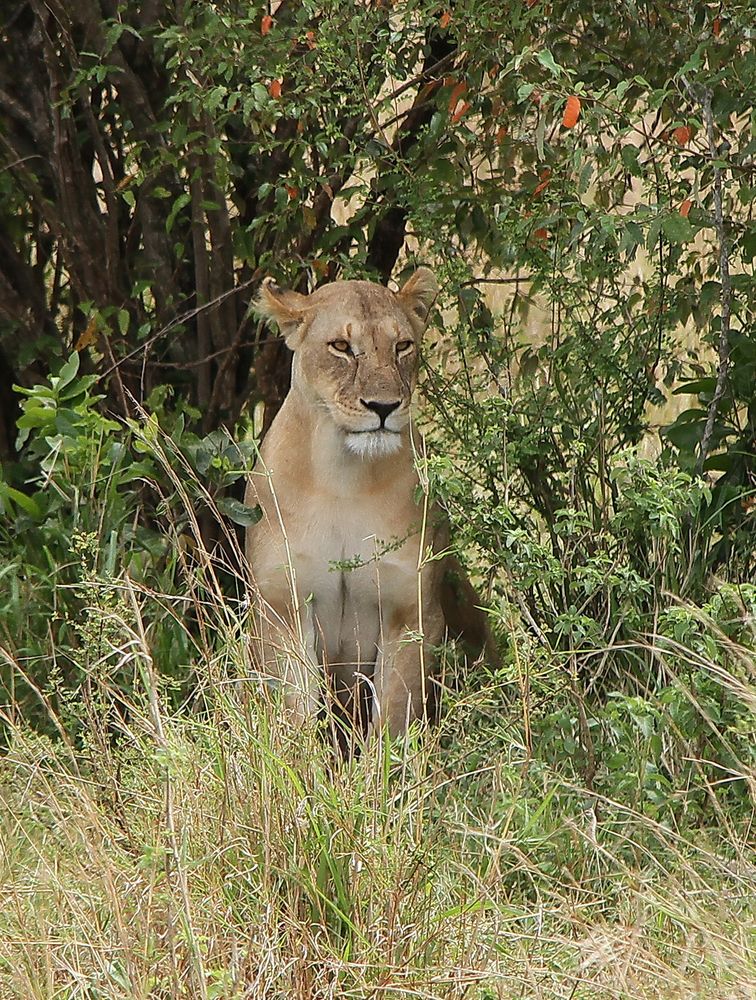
(404, 346)
(342, 346)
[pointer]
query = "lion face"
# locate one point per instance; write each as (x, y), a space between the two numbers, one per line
(355, 349)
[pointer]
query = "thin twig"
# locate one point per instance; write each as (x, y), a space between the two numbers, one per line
(179, 320)
(516, 280)
(429, 72)
(723, 367)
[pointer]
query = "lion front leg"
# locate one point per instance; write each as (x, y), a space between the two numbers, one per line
(404, 671)
(284, 654)
(399, 682)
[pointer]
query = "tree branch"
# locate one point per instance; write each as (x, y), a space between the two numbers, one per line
(723, 367)
(390, 231)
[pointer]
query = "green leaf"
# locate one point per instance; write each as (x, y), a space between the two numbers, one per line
(80, 387)
(67, 373)
(629, 156)
(36, 415)
(632, 237)
(585, 179)
(179, 203)
(26, 503)
(693, 64)
(654, 230)
(676, 228)
(685, 436)
(546, 59)
(698, 385)
(239, 513)
(540, 134)
(524, 91)
(445, 170)
(719, 463)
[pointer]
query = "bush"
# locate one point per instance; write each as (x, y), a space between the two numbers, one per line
(581, 183)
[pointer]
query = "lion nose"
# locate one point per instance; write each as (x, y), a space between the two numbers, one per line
(382, 409)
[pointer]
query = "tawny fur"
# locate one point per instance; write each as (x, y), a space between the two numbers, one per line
(342, 558)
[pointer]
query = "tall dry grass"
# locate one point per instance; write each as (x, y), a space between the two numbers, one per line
(217, 852)
(210, 850)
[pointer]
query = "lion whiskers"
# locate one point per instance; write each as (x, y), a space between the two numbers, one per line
(374, 444)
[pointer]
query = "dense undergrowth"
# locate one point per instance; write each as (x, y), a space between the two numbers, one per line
(580, 823)
(221, 855)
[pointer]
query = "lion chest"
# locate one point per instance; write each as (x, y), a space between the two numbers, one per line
(352, 570)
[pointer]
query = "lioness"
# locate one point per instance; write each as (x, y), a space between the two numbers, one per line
(343, 556)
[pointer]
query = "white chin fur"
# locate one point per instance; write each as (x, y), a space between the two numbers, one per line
(374, 444)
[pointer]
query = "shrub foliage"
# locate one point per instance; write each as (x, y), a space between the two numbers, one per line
(581, 179)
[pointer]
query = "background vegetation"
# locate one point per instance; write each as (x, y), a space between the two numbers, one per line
(581, 178)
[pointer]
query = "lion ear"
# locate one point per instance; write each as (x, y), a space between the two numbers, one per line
(418, 294)
(285, 308)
